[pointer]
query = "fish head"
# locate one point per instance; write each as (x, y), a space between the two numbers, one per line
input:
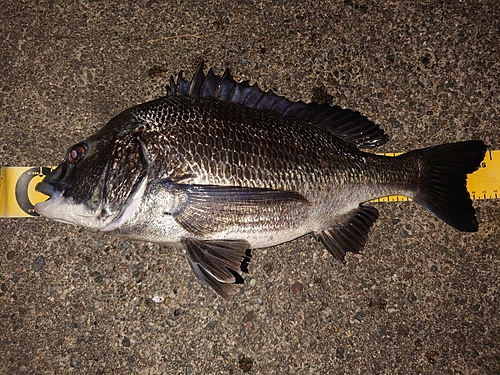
(101, 180)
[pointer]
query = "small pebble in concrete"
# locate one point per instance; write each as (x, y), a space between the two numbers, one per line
(75, 361)
(297, 288)
(158, 299)
(245, 363)
(339, 353)
(38, 263)
(126, 341)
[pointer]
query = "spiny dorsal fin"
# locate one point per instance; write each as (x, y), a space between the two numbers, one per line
(346, 124)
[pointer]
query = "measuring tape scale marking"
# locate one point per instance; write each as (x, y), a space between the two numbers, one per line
(18, 195)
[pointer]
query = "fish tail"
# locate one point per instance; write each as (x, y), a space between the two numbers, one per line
(442, 185)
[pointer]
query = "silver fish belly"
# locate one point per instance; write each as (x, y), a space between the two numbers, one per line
(219, 167)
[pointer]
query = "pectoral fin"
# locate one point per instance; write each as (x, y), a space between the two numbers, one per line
(350, 235)
(218, 263)
(205, 209)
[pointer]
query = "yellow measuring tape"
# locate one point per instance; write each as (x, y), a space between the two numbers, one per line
(18, 195)
(17, 190)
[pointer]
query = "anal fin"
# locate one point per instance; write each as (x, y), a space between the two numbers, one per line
(350, 235)
(218, 263)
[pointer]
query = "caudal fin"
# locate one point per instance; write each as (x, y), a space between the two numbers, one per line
(443, 178)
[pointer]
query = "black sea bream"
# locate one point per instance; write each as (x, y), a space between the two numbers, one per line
(218, 168)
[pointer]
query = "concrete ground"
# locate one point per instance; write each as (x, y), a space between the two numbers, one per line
(422, 298)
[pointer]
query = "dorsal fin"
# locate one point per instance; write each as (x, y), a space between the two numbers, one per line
(346, 124)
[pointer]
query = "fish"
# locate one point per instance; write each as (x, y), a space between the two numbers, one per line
(219, 168)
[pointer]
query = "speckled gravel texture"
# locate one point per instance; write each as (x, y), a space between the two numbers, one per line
(422, 298)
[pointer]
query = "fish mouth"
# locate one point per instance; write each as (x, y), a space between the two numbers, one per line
(61, 209)
(54, 191)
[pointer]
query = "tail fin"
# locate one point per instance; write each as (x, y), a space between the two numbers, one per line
(443, 178)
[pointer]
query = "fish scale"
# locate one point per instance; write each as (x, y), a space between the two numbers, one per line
(286, 153)
(218, 167)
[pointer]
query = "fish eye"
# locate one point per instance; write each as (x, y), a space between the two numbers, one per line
(76, 154)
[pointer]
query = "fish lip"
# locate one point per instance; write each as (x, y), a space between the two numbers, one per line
(53, 190)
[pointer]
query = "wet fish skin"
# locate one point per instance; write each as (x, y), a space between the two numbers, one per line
(270, 156)
(218, 168)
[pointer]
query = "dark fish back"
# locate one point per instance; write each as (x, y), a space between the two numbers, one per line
(231, 145)
(348, 125)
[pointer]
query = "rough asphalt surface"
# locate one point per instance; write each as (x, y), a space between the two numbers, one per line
(422, 298)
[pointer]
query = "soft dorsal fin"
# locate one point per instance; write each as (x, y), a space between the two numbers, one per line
(346, 124)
